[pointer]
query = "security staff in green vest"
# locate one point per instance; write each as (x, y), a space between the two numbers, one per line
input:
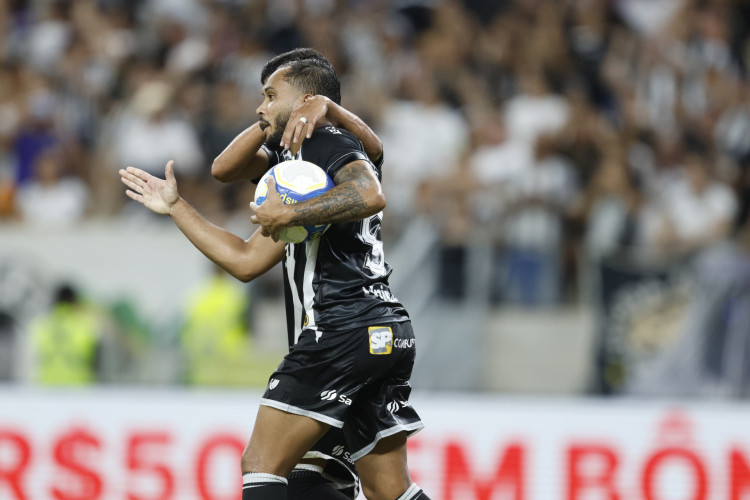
(215, 340)
(65, 341)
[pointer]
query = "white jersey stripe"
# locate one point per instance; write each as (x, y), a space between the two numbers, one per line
(311, 251)
(290, 266)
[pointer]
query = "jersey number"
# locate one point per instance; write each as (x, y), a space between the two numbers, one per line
(375, 259)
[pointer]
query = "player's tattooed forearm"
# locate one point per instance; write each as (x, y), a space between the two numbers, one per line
(345, 203)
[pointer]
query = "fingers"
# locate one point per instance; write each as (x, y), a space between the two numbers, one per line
(271, 185)
(131, 181)
(169, 171)
(134, 196)
(289, 131)
(137, 172)
(291, 140)
(132, 185)
(301, 131)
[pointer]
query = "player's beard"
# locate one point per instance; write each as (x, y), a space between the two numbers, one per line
(273, 142)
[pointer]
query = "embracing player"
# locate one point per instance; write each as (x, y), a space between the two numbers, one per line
(353, 343)
(327, 472)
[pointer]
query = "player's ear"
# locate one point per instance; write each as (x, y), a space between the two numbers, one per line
(307, 97)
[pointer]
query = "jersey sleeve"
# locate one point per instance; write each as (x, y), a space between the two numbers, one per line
(339, 148)
(273, 159)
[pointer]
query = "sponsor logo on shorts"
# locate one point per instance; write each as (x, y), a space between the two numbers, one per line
(340, 451)
(273, 383)
(404, 343)
(328, 395)
(331, 395)
(381, 339)
(395, 406)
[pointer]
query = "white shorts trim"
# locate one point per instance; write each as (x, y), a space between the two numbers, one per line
(338, 484)
(316, 454)
(300, 411)
(309, 468)
(411, 429)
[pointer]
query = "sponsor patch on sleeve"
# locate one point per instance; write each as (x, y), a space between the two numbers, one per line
(381, 339)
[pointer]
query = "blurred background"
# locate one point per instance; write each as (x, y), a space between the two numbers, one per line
(568, 188)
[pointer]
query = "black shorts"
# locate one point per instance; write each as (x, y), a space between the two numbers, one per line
(356, 380)
(339, 470)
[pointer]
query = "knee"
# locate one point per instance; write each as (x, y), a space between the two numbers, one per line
(255, 461)
(252, 461)
(249, 462)
(384, 492)
(370, 491)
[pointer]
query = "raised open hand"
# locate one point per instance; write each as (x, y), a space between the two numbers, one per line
(158, 195)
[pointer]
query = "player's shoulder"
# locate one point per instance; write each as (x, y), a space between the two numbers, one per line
(333, 135)
(331, 148)
(345, 139)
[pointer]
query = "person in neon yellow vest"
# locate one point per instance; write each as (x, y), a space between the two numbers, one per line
(65, 342)
(215, 338)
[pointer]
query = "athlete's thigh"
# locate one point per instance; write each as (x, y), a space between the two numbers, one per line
(279, 440)
(315, 379)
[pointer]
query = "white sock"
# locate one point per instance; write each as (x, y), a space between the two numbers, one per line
(410, 493)
(255, 479)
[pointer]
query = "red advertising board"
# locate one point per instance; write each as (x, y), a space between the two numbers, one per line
(163, 445)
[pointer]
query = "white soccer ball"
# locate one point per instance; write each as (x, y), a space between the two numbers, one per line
(296, 181)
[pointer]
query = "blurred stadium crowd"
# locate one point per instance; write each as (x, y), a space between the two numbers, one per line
(582, 140)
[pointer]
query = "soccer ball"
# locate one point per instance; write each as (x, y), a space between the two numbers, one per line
(296, 180)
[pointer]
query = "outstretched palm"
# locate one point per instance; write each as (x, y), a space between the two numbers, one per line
(158, 195)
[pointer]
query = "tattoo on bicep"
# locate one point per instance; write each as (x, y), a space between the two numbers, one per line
(346, 202)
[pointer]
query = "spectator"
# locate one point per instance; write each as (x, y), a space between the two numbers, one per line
(612, 207)
(215, 338)
(52, 199)
(150, 135)
(65, 341)
(697, 210)
(36, 131)
(537, 196)
(423, 138)
(535, 110)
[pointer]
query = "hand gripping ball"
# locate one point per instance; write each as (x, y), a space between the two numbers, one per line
(296, 181)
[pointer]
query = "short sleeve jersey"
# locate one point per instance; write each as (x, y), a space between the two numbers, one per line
(340, 280)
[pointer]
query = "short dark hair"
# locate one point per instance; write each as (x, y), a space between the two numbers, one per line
(309, 71)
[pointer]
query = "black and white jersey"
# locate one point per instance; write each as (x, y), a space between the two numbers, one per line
(340, 280)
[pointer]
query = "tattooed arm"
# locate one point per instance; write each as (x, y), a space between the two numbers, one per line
(357, 195)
